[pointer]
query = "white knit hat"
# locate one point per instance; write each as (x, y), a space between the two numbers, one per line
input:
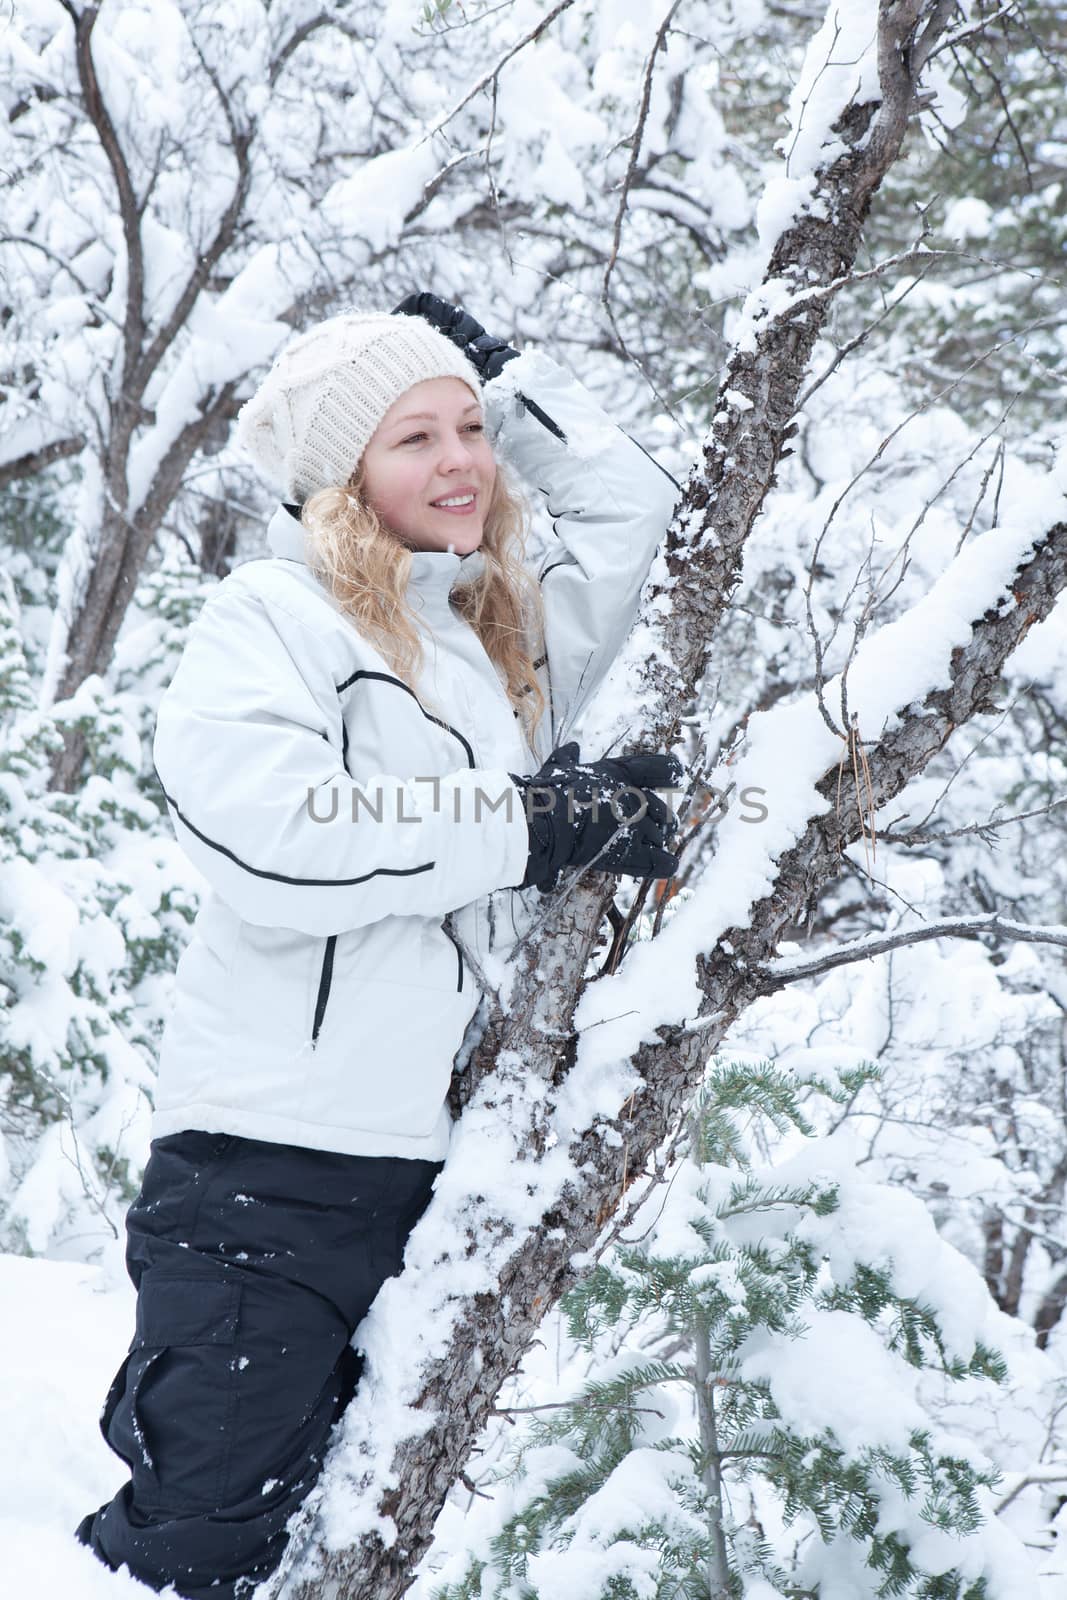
(309, 421)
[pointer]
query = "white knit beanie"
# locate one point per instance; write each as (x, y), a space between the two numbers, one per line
(309, 421)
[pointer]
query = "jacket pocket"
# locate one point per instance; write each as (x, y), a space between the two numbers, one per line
(322, 994)
(451, 937)
(279, 979)
(398, 1007)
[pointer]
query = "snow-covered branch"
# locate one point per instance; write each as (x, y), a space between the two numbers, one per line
(791, 969)
(129, 205)
(27, 466)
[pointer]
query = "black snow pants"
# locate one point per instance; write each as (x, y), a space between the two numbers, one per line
(253, 1264)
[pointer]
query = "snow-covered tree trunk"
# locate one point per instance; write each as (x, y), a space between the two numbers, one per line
(130, 515)
(575, 1088)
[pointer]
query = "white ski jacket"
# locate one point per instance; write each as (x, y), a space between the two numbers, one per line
(338, 818)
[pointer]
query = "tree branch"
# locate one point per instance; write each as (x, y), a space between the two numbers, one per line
(489, 77)
(791, 969)
(28, 466)
(207, 260)
(635, 151)
(293, 43)
(129, 211)
(963, 34)
(920, 835)
(457, 1388)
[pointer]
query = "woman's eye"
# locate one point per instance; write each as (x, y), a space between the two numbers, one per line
(472, 427)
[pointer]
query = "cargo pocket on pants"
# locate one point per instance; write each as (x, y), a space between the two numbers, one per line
(169, 1413)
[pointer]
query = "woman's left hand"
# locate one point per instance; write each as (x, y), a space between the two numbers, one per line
(486, 353)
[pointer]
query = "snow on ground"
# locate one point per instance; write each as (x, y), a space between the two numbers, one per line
(64, 1329)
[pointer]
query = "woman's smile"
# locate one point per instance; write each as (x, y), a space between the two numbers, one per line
(460, 503)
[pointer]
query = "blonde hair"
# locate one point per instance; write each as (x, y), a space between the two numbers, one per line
(365, 566)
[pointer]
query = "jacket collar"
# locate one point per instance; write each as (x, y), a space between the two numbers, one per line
(433, 572)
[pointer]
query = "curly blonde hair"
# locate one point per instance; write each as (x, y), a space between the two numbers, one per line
(365, 566)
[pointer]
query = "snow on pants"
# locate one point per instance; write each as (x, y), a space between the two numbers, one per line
(253, 1263)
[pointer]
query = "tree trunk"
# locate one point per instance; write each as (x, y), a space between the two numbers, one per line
(718, 1564)
(126, 533)
(125, 544)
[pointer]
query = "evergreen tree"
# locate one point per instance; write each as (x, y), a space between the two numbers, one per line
(984, 175)
(761, 1413)
(95, 907)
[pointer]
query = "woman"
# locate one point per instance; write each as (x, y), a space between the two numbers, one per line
(346, 749)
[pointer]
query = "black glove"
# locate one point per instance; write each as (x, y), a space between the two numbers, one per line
(575, 810)
(485, 353)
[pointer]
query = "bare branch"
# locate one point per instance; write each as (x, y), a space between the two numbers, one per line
(63, 263)
(988, 707)
(790, 969)
(981, 830)
(998, 460)
(861, 338)
(963, 34)
(293, 43)
(635, 151)
(1053, 1473)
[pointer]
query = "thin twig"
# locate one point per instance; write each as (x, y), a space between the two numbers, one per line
(635, 150)
(488, 77)
(917, 836)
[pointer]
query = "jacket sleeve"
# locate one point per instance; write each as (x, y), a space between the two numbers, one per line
(610, 505)
(248, 751)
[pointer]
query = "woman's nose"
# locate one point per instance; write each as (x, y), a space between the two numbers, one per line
(456, 452)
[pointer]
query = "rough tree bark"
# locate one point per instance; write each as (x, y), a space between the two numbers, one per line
(534, 1041)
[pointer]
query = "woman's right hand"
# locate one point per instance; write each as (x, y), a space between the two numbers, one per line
(486, 353)
(603, 814)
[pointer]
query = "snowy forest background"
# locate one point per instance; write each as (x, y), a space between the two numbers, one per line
(825, 1355)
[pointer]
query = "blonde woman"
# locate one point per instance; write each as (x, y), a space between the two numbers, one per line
(357, 753)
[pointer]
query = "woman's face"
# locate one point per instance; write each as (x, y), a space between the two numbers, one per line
(429, 448)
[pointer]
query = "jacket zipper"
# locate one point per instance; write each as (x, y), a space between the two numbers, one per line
(447, 931)
(325, 980)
